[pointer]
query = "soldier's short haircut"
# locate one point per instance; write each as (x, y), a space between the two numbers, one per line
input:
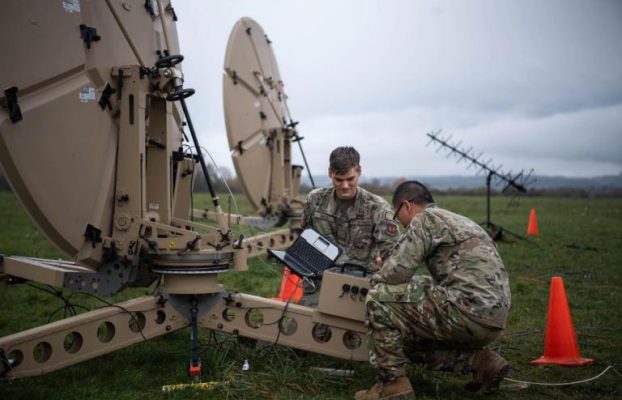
(343, 159)
(412, 191)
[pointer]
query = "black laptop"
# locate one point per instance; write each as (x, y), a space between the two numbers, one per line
(309, 255)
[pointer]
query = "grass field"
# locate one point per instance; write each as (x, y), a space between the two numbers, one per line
(580, 240)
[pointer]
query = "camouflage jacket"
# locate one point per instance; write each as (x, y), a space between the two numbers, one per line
(460, 257)
(363, 232)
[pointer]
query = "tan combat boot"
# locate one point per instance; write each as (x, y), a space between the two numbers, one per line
(399, 388)
(489, 369)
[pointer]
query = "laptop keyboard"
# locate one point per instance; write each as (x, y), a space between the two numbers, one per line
(312, 258)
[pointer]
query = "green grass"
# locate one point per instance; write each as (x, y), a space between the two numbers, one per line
(580, 240)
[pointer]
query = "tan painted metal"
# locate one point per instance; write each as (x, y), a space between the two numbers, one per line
(49, 272)
(289, 325)
(98, 163)
(144, 231)
(257, 120)
(343, 295)
(259, 244)
(59, 344)
(61, 156)
(63, 343)
(266, 222)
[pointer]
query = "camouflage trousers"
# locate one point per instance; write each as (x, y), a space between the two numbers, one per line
(415, 321)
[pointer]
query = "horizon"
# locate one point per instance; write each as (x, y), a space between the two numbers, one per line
(497, 76)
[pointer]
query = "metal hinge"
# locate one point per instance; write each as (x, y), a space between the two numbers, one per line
(89, 34)
(15, 113)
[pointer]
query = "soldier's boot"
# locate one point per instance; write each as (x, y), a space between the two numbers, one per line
(395, 389)
(489, 369)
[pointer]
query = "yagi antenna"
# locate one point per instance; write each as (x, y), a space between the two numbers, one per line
(514, 184)
(517, 182)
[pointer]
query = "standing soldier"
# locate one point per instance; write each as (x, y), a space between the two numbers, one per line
(442, 295)
(358, 221)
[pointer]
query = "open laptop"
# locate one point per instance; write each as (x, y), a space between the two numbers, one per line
(309, 255)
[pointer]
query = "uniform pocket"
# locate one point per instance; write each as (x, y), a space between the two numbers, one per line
(361, 239)
(325, 225)
(401, 293)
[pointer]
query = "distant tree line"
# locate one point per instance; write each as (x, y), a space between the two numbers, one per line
(376, 186)
(200, 185)
(218, 177)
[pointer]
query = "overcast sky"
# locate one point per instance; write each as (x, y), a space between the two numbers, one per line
(530, 84)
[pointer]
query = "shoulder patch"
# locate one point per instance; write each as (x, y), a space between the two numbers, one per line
(391, 229)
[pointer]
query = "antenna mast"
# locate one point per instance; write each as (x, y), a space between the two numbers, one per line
(515, 184)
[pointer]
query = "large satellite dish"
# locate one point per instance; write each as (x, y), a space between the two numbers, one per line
(259, 127)
(91, 143)
(58, 138)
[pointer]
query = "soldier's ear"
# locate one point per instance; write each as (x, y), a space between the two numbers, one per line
(408, 206)
(358, 170)
(330, 172)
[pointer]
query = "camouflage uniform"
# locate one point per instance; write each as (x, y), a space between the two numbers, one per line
(442, 294)
(362, 227)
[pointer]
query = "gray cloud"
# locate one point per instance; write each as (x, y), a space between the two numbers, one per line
(531, 84)
(518, 142)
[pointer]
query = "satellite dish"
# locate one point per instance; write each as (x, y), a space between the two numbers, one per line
(58, 131)
(259, 127)
(91, 143)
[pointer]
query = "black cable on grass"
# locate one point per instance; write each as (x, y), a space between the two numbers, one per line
(132, 315)
(68, 307)
(577, 329)
(280, 320)
(157, 285)
(7, 366)
(523, 333)
(229, 338)
(52, 290)
(72, 307)
(272, 348)
(135, 320)
(218, 345)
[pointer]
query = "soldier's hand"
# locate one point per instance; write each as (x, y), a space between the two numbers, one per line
(375, 279)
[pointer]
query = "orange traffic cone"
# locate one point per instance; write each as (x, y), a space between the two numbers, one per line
(291, 287)
(532, 228)
(560, 342)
